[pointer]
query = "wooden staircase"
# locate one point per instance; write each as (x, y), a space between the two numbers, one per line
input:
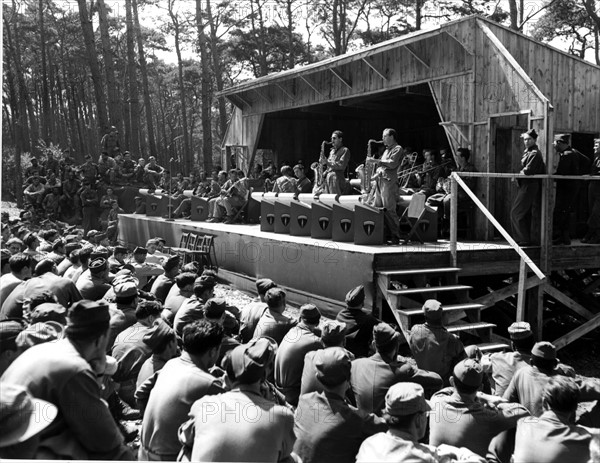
(406, 290)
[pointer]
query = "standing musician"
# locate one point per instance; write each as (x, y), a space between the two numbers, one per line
(336, 163)
(386, 190)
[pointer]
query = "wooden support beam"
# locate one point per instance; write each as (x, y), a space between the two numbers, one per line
(499, 295)
(416, 56)
(592, 286)
(340, 78)
(521, 291)
(307, 82)
(263, 96)
(367, 61)
(578, 332)
(243, 100)
(568, 302)
(288, 94)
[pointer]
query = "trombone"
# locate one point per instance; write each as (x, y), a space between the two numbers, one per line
(404, 175)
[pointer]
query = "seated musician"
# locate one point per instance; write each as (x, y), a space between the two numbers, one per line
(431, 172)
(286, 183)
(210, 191)
(443, 197)
(407, 176)
(236, 196)
(303, 183)
(199, 188)
(229, 197)
(339, 155)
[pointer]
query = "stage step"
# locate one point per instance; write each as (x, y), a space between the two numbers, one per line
(428, 290)
(489, 347)
(420, 271)
(471, 328)
(446, 308)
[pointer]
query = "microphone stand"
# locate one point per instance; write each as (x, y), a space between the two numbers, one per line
(170, 206)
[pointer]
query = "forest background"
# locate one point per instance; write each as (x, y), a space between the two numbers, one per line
(151, 68)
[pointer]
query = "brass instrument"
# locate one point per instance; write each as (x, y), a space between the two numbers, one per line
(421, 169)
(319, 166)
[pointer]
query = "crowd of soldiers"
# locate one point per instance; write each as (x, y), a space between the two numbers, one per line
(92, 341)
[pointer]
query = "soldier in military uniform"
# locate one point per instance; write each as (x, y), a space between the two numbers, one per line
(528, 194)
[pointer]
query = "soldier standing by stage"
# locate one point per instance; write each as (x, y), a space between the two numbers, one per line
(336, 164)
(528, 194)
(566, 190)
(593, 234)
(386, 190)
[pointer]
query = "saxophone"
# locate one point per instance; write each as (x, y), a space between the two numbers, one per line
(368, 171)
(318, 167)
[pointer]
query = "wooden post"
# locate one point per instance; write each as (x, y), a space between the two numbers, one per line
(522, 291)
(453, 220)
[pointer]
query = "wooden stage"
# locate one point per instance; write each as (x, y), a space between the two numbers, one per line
(325, 270)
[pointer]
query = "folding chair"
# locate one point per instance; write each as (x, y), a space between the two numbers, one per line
(182, 245)
(203, 252)
(413, 216)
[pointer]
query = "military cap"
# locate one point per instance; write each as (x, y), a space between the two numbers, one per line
(38, 333)
(310, 313)
(355, 298)
(469, 372)
(23, 416)
(87, 316)
(97, 265)
(140, 250)
(157, 334)
(530, 133)
(248, 362)
(432, 309)
(264, 284)
(171, 263)
(519, 330)
(562, 137)
(215, 308)
(384, 335)
(49, 311)
(120, 250)
(333, 366)
(333, 332)
(544, 350)
(404, 399)
(125, 286)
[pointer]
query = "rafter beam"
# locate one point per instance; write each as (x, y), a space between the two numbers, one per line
(246, 102)
(341, 79)
(307, 82)
(374, 68)
(262, 95)
(288, 94)
(416, 56)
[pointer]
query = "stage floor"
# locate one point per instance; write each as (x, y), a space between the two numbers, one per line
(324, 269)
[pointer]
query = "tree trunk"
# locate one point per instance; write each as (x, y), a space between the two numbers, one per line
(206, 91)
(145, 84)
(290, 34)
(187, 156)
(134, 99)
(514, 14)
(46, 116)
(218, 70)
(92, 60)
(27, 132)
(114, 100)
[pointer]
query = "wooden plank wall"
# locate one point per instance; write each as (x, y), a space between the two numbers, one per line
(571, 85)
(443, 55)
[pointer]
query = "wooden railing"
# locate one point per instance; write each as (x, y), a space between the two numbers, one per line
(526, 264)
(525, 259)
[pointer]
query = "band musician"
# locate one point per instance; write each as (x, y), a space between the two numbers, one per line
(336, 164)
(386, 178)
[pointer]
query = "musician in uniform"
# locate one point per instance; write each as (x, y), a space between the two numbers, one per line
(336, 163)
(286, 183)
(235, 196)
(386, 189)
(303, 185)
